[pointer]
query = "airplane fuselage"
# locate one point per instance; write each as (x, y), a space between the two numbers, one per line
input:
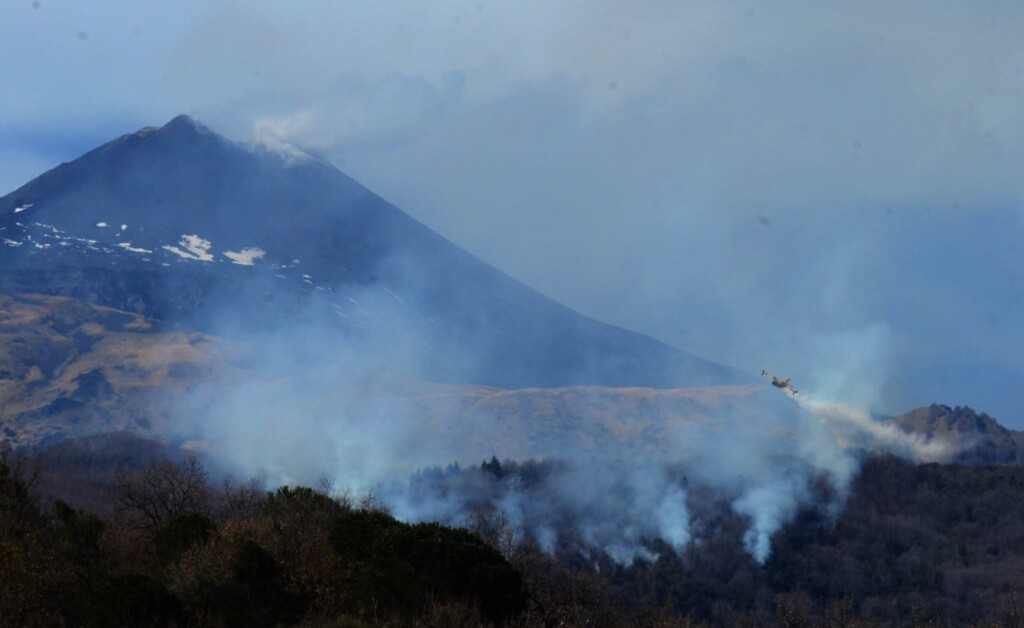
(780, 383)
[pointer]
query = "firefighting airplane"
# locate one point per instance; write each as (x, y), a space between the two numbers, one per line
(780, 383)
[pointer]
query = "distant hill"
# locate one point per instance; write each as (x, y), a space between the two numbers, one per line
(183, 226)
(988, 441)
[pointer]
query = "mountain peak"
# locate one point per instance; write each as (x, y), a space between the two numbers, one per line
(179, 125)
(184, 130)
(180, 222)
(185, 123)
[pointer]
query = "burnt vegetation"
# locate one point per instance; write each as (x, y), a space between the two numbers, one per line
(914, 544)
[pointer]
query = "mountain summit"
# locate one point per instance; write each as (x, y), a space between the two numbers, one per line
(182, 225)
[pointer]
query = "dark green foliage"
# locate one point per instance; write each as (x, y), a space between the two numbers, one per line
(399, 569)
(253, 596)
(80, 529)
(914, 544)
(356, 535)
(253, 566)
(37, 585)
(132, 598)
(80, 534)
(19, 512)
(493, 467)
(181, 533)
(925, 540)
(454, 562)
(302, 504)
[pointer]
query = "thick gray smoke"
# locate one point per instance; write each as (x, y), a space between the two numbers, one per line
(617, 507)
(319, 403)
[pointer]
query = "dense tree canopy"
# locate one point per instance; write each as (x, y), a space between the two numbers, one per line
(914, 544)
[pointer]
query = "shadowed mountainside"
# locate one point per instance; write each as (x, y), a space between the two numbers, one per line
(181, 225)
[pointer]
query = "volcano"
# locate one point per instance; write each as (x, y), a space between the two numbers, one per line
(182, 226)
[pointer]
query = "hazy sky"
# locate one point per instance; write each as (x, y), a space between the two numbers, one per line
(831, 191)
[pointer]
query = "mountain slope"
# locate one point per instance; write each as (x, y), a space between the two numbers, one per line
(182, 225)
(72, 369)
(68, 368)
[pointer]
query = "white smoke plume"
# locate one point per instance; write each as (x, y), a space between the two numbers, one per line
(618, 507)
(855, 428)
(321, 404)
(769, 506)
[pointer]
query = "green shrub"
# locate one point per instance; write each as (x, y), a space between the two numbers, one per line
(181, 533)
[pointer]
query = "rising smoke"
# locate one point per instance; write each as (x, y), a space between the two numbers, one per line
(354, 409)
(846, 114)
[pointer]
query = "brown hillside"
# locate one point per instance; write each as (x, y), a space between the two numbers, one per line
(536, 422)
(71, 368)
(68, 368)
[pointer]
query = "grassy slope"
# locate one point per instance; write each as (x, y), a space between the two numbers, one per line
(70, 368)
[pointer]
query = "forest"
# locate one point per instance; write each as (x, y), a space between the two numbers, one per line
(115, 531)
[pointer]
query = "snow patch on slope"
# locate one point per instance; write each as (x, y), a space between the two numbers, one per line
(245, 257)
(128, 247)
(192, 247)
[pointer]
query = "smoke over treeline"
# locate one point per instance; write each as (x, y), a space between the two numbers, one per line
(600, 508)
(353, 409)
(915, 542)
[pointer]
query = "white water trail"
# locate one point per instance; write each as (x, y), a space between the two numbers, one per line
(853, 427)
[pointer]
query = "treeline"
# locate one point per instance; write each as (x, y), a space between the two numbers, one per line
(171, 548)
(922, 545)
(910, 544)
(179, 552)
(914, 545)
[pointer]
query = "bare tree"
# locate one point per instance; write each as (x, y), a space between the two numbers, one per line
(244, 500)
(149, 497)
(494, 527)
(559, 596)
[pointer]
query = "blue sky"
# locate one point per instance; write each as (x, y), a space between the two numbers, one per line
(830, 191)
